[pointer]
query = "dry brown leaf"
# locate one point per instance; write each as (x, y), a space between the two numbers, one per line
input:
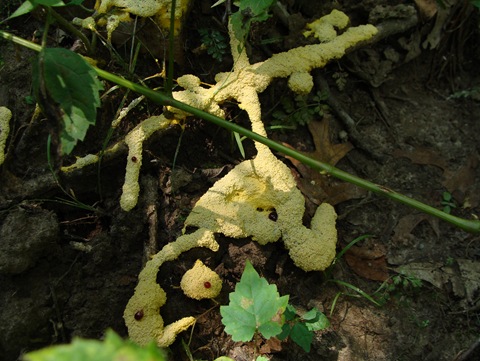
(318, 187)
(463, 178)
(405, 226)
(368, 261)
(271, 345)
(422, 156)
(460, 278)
(325, 150)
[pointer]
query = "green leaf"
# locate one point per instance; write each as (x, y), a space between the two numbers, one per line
(249, 11)
(70, 86)
(31, 5)
(318, 322)
(261, 358)
(311, 315)
(290, 313)
(112, 348)
(286, 329)
(255, 306)
(447, 196)
(302, 336)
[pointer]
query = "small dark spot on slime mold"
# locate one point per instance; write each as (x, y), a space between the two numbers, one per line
(273, 216)
(138, 315)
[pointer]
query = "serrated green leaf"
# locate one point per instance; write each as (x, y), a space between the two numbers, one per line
(255, 306)
(270, 329)
(111, 349)
(302, 336)
(71, 86)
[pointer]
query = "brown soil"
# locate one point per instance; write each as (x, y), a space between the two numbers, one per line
(67, 271)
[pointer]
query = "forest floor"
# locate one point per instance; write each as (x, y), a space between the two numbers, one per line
(66, 271)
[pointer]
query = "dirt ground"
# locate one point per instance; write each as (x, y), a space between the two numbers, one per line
(401, 112)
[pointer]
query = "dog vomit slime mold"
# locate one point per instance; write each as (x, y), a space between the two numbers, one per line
(258, 198)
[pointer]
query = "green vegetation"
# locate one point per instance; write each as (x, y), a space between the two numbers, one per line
(300, 328)
(475, 3)
(447, 202)
(467, 93)
(250, 11)
(256, 309)
(299, 110)
(67, 89)
(396, 286)
(112, 348)
(215, 42)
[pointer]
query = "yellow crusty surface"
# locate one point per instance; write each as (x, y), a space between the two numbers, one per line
(313, 249)
(300, 83)
(142, 8)
(5, 116)
(134, 141)
(238, 205)
(324, 28)
(149, 297)
(259, 197)
(159, 9)
(201, 282)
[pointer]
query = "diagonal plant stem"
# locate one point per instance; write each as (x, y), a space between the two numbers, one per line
(472, 226)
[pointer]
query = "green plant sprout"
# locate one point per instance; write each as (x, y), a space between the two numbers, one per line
(112, 348)
(256, 308)
(299, 109)
(395, 285)
(300, 328)
(447, 202)
(473, 92)
(215, 42)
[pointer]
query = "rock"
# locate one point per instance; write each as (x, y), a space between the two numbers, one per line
(26, 235)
